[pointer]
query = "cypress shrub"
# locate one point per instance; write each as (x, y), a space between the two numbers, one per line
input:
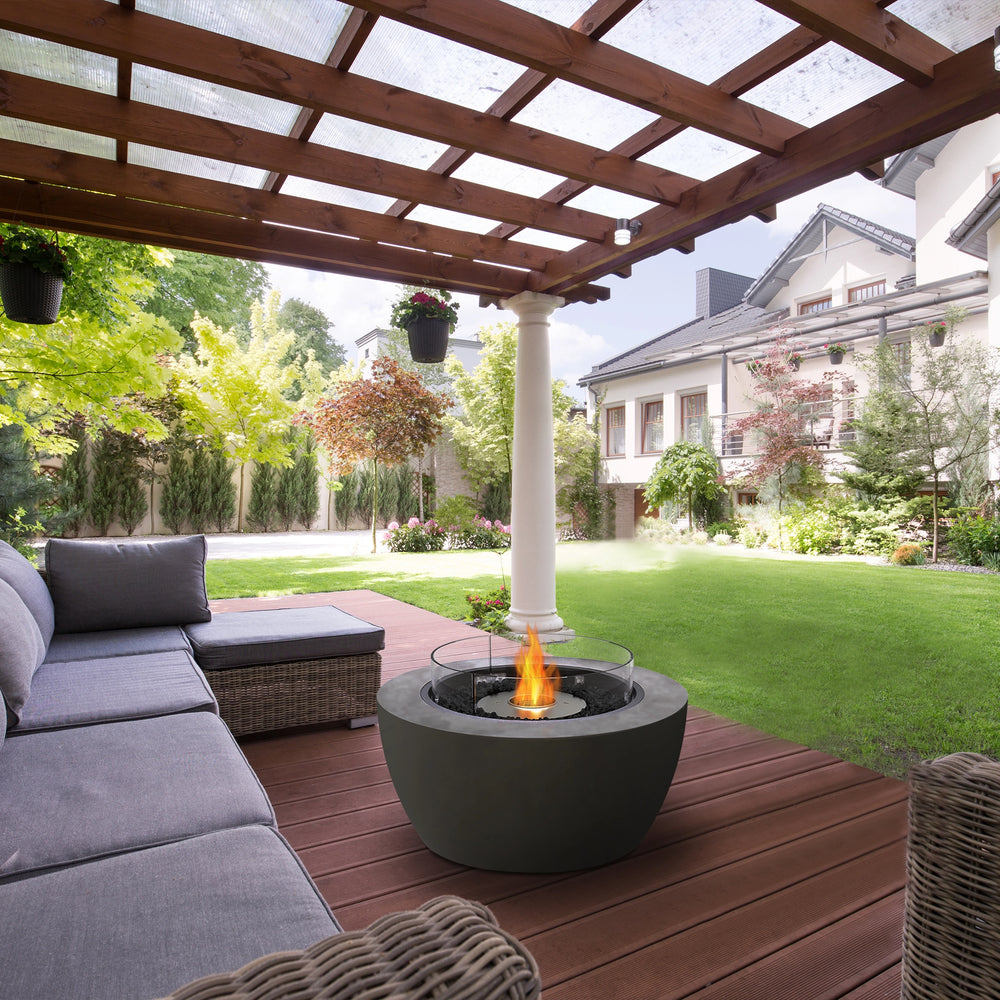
(263, 497)
(222, 490)
(132, 503)
(307, 483)
(200, 490)
(104, 488)
(175, 500)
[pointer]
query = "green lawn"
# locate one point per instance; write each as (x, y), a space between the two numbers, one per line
(875, 664)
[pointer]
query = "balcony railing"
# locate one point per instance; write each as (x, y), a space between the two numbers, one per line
(824, 430)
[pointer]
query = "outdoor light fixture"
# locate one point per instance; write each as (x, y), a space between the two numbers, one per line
(625, 229)
(996, 50)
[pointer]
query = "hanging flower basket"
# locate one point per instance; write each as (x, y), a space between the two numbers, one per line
(428, 337)
(837, 353)
(30, 295)
(428, 320)
(936, 334)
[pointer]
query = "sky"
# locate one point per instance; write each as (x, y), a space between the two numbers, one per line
(657, 297)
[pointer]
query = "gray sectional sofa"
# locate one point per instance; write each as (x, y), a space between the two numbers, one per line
(138, 850)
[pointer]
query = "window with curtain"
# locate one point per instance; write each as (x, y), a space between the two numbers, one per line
(652, 427)
(615, 437)
(693, 410)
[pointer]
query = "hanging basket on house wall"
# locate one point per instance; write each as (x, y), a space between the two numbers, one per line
(30, 295)
(428, 337)
(936, 336)
(836, 357)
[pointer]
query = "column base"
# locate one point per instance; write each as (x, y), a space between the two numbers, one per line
(550, 627)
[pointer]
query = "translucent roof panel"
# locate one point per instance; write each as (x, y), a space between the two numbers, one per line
(701, 40)
(436, 67)
(551, 241)
(57, 63)
(196, 166)
(698, 154)
(507, 176)
(821, 85)
(610, 203)
(209, 100)
(372, 140)
(452, 220)
(57, 138)
(575, 113)
(332, 194)
(304, 28)
(957, 25)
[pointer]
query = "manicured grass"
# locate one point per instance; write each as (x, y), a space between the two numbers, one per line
(874, 664)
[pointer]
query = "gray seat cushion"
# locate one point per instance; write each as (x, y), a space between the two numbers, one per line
(82, 692)
(140, 925)
(249, 638)
(71, 795)
(135, 584)
(116, 642)
(30, 587)
(21, 652)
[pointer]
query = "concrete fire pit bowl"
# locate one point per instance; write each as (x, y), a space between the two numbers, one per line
(545, 795)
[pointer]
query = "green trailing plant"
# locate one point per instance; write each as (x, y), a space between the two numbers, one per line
(175, 496)
(222, 502)
(263, 497)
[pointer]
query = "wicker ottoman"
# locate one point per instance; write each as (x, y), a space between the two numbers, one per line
(289, 667)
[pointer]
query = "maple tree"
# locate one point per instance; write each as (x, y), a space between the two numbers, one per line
(383, 418)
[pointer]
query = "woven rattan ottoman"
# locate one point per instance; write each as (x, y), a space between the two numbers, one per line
(287, 667)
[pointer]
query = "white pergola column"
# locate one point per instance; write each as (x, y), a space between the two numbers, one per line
(533, 490)
(993, 320)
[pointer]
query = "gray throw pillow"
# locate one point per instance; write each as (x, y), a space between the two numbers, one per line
(110, 585)
(30, 587)
(21, 652)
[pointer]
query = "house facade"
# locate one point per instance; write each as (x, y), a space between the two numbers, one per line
(841, 279)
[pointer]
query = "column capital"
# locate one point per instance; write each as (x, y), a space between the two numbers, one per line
(537, 304)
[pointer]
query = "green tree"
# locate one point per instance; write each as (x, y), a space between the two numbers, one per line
(175, 497)
(102, 352)
(286, 485)
(22, 490)
(235, 395)
(104, 485)
(948, 394)
(384, 419)
(132, 503)
(72, 477)
(200, 489)
(307, 482)
(263, 497)
(311, 327)
(219, 289)
(684, 471)
(222, 502)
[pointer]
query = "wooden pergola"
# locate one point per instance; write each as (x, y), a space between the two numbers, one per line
(90, 145)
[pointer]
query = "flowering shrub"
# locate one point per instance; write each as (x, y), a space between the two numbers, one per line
(415, 537)
(421, 305)
(974, 540)
(722, 538)
(836, 348)
(489, 611)
(483, 534)
(812, 530)
(752, 536)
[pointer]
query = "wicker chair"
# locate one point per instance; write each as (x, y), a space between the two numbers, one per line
(951, 930)
(447, 949)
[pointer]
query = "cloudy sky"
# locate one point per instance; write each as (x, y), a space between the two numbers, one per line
(658, 296)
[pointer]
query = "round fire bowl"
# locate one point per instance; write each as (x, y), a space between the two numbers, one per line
(545, 795)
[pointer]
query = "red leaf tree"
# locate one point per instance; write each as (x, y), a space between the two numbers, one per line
(784, 408)
(384, 418)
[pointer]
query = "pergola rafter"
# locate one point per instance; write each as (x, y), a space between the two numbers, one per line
(405, 222)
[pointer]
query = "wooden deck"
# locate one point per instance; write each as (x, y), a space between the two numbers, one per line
(772, 871)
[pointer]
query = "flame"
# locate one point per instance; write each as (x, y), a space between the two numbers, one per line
(537, 680)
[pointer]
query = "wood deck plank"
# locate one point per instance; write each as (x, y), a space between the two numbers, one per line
(772, 872)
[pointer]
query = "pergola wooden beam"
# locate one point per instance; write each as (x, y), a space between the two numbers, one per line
(966, 88)
(145, 222)
(861, 26)
(101, 114)
(90, 173)
(173, 47)
(533, 41)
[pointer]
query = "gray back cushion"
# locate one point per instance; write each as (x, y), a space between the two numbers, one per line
(109, 585)
(28, 582)
(21, 651)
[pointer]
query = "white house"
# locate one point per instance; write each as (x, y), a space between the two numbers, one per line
(840, 279)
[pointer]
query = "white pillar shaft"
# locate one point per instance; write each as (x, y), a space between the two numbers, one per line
(993, 320)
(533, 500)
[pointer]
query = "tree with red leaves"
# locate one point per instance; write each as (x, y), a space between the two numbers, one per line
(384, 418)
(780, 423)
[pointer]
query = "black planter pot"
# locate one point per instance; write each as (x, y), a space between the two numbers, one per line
(428, 337)
(937, 338)
(30, 295)
(836, 357)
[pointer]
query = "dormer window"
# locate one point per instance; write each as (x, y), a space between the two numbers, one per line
(861, 292)
(815, 305)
